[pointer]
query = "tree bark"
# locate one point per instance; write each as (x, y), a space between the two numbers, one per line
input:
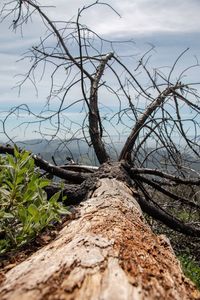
(107, 252)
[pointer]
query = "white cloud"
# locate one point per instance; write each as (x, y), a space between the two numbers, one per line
(144, 16)
(138, 16)
(143, 20)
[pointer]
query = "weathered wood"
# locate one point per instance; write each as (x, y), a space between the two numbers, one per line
(107, 252)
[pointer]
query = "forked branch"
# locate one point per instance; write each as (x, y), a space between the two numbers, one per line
(140, 123)
(95, 125)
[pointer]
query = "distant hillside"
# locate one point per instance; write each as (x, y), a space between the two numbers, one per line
(81, 152)
(76, 149)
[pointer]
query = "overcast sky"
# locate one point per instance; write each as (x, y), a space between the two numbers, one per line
(171, 26)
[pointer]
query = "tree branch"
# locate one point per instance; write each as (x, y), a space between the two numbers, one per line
(128, 146)
(76, 177)
(59, 37)
(167, 219)
(166, 192)
(95, 126)
(161, 174)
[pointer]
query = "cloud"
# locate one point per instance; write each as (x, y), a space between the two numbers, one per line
(170, 25)
(144, 16)
(137, 17)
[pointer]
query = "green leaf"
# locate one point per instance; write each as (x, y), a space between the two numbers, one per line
(25, 158)
(8, 215)
(22, 211)
(16, 151)
(4, 192)
(54, 198)
(32, 209)
(9, 183)
(44, 183)
(63, 211)
(64, 198)
(20, 179)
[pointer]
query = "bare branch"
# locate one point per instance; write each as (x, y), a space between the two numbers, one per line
(95, 126)
(177, 179)
(76, 177)
(126, 151)
(166, 192)
(167, 219)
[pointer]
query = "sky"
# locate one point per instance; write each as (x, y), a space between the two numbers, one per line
(171, 26)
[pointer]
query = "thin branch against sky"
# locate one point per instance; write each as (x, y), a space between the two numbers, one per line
(139, 21)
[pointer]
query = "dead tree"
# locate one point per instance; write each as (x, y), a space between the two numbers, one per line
(94, 256)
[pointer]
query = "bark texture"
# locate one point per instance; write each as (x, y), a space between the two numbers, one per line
(107, 252)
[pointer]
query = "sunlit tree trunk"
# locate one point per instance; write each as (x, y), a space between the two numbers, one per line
(107, 252)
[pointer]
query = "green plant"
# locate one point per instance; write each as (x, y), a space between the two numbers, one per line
(24, 209)
(190, 268)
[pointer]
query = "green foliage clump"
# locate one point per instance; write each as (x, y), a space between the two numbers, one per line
(190, 268)
(24, 209)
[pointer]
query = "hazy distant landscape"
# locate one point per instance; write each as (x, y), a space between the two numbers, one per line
(77, 149)
(82, 153)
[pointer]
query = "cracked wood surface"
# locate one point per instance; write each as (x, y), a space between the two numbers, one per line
(107, 252)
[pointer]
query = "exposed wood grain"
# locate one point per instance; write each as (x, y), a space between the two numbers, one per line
(107, 252)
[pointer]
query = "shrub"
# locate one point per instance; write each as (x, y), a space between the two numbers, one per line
(190, 268)
(24, 209)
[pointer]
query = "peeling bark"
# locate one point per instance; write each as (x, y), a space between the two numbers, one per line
(107, 252)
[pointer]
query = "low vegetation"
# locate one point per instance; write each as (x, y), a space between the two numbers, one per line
(190, 268)
(186, 249)
(24, 209)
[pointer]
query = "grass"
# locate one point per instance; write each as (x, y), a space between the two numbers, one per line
(190, 268)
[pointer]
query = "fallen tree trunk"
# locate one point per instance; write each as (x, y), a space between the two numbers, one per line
(107, 252)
